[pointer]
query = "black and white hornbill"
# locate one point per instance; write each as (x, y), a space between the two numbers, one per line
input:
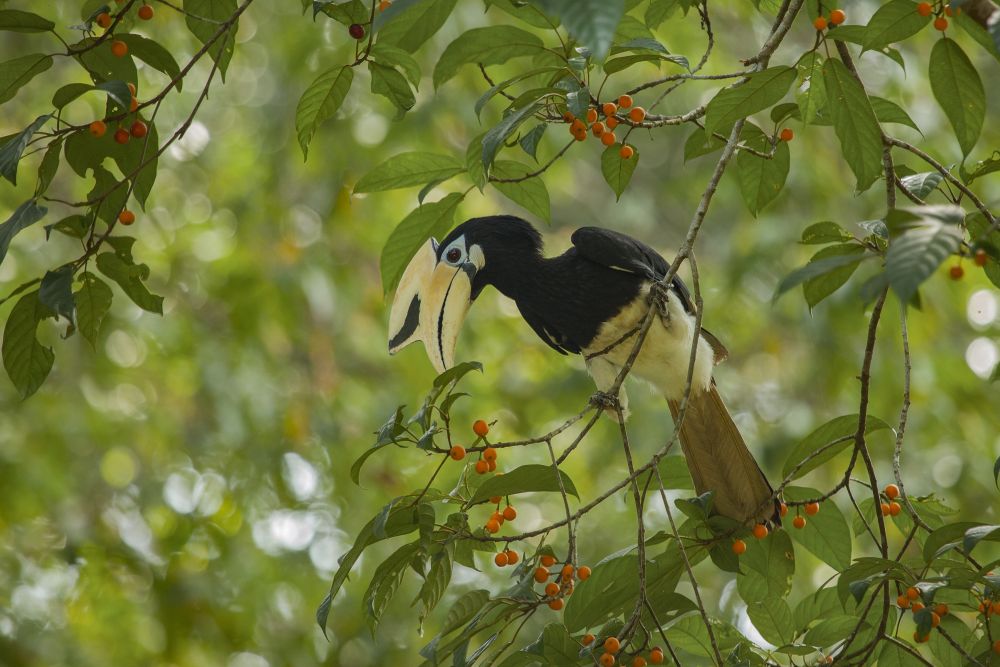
(582, 302)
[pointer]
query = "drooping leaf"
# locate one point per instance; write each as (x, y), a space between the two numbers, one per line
(155, 55)
(818, 288)
(617, 171)
(813, 269)
(12, 149)
(827, 534)
(959, 90)
(16, 73)
(408, 169)
(825, 232)
(130, 278)
(811, 91)
(855, 123)
(838, 430)
(15, 20)
(768, 566)
(492, 45)
(56, 293)
(499, 133)
(773, 619)
(530, 193)
(50, 164)
(396, 57)
(414, 23)
(889, 112)
(974, 536)
(930, 234)
(93, 301)
(26, 360)
(761, 90)
(761, 179)
(922, 184)
(529, 142)
(390, 84)
(893, 22)
(24, 216)
(592, 23)
(427, 220)
(217, 13)
(320, 101)
(524, 479)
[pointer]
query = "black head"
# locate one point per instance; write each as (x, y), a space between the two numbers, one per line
(507, 244)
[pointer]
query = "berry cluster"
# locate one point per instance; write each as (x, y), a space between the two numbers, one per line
(837, 16)
(912, 599)
(612, 645)
(488, 457)
(562, 585)
(605, 130)
(942, 11)
(891, 508)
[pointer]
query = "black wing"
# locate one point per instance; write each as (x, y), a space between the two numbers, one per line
(623, 253)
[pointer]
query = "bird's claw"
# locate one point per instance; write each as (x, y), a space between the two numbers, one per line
(659, 295)
(605, 401)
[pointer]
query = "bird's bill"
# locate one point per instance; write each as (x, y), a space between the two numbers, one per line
(430, 305)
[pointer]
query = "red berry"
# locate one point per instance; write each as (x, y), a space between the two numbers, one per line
(98, 128)
(626, 152)
(126, 217)
(786, 134)
(895, 508)
(500, 559)
(941, 23)
(583, 573)
(556, 604)
(104, 19)
(980, 258)
(139, 129)
(760, 531)
(925, 9)
(357, 31)
(956, 272)
(122, 135)
(656, 656)
(119, 48)
(490, 454)
(891, 491)
(812, 509)
(145, 12)
(482, 467)
(509, 513)
(799, 522)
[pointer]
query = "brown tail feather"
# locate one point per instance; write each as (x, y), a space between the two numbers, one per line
(720, 461)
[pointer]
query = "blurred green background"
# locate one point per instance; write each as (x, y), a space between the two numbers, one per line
(180, 496)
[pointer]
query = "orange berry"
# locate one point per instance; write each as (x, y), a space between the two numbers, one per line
(131, 89)
(512, 557)
(552, 589)
(480, 428)
(568, 117)
(760, 531)
(951, 12)
(482, 466)
(500, 559)
(916, 606)
(812, 509)
(509, 513)
(608, 660)
(580, 135)
(995, 607)
(786, 134)
(799, 522)
(819, 23)
(941, 609)
(457, 453)
(119, 48)
(567, 569)
(935, 619)
(638, 661)
(637, 115)
(583, 573)
(139, 129)
(122, 135)
(783, 511)
(98, 128)
(612, 122)
(541, 575)
(490, 454)
(912, 593)
(492, 526)
(496, 516)
(495, 500)
(903, 602)
(941, 23)
(104, 19)
(625, 101)
(980, 258)
(548, 560)
(133, 104)
(626, 152)
(384, 5)
(885, 508)
(126, 217)
(491, 465)
(891, 491)
(837, 16)
(611, 644)
(996, 646)
(895, 508)
(956, 272)
(556, 604)
(608, 138)
(739, 547)
(145, 12)
(597, 129)
(920, 639)
(925, 9)
(577, 125)
(591, 115)
(656, 656)
(609, 108)
(588, 639)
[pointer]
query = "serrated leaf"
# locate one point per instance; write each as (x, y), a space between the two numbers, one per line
(530, 193)
(818, 288)
(93, 301)
(56, 292)
(216, 12)
(16, 73)
(408, 169)
(24, 216)
(320, 101)
(893, 22)
(26, 360)
(492, 45)
(427, 220)
(415, 23)
(617, 171)
(14, 20)
(762, 90)
(130, 278)
(959, 90)
(12, 149)
(524, 479)
(929, 236)
(855, 123)
(391, 85)
(838, 430)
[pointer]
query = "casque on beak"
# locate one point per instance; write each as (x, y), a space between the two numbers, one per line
(431, 302)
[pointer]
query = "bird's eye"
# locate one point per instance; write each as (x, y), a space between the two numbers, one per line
(454, 255)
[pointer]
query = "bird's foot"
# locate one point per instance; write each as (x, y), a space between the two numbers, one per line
(659, 295)
(610, 404)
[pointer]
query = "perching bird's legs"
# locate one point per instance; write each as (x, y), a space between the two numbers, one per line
(604, 374)
(659, 295)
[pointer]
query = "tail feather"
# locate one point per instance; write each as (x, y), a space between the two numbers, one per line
(720, 461)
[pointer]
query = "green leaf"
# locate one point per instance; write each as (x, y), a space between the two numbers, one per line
(701, 143)
(831, 630)
(97, 59)
(592, 23)
(427, 220)
(922, 184)
(810, 94)
(409, 169)
(56, 294)
(50, 164)
(818, 288)
(12, 149)
(395, 57)
(827, 534)
(320, 101)
(946, 538)
(773, 619)
(387, 435)
(14, 20)
(690, 634)
(529, 142)
(385, 581)
(838, 430)
(487, 46)
(855, 123)
(618, 171)
(530, 193)
(930, 234)
(391, 85)
(93, 301)
(989, 40)
(893, 22)
(824, 232)
(768, 566)
(944, 652)
(761, 90)
(974, 536)
(155, 55)
(216, 12)
(498, 134)
(129, 277)
(26, 360)
(524, 479)
(75, 226)
(435, 583)
(674, 473)
(761, 179)
(813, 269)
(24, 216)
(414, 24)
(16, 73)
(959, 90)
(894, 656)
(981, 168)
(464, 608)
(890, 112)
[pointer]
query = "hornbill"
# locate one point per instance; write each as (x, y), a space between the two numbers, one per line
(584, 302)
